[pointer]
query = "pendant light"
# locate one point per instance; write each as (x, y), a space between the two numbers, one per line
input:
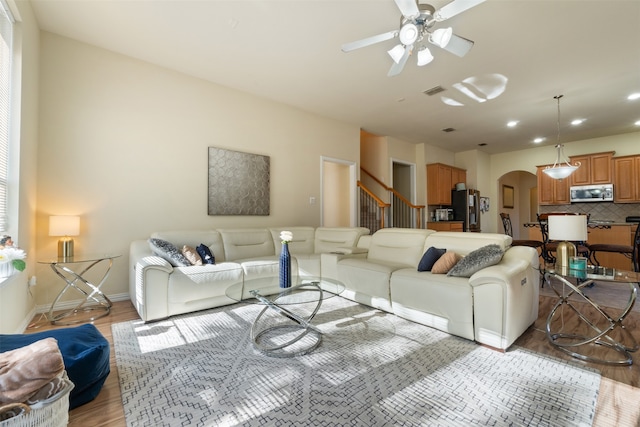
(561, 168)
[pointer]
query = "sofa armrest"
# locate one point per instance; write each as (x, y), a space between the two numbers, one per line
(506, 297)
(148, 281)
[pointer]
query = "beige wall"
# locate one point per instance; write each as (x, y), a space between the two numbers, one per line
(17, 305)
(124, 144)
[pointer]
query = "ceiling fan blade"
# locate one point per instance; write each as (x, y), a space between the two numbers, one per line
(348, 47)
(459, 46)
(454, 8)
(396, 68)
(408, 8)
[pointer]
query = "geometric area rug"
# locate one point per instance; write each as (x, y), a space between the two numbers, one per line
(371, 369)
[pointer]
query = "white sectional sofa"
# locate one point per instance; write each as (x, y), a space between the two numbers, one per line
(493, 306)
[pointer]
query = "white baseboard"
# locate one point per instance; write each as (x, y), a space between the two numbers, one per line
(65, 305)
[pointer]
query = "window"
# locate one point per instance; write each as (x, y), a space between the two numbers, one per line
(6, 30)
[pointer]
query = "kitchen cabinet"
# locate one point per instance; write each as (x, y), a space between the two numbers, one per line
(441, 179)
(552, 191)
(445, 225)
(626, 183)
(458, 175)
(594, 169)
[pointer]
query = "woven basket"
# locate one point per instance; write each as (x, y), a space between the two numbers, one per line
(53, 413)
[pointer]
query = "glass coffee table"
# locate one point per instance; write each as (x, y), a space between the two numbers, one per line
(596, 325)
(288, 332)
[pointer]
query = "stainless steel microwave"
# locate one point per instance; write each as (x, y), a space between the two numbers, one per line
(592, 193)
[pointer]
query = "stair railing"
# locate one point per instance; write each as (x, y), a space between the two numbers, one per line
(404, 213)
(373, 210)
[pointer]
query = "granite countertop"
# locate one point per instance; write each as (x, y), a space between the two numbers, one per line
(445, 221)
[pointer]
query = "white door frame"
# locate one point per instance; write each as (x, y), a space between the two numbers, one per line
(353, 205)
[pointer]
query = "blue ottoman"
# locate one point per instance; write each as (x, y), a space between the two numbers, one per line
(85, 353)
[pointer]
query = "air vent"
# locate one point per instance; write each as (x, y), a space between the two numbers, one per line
(448, 130)
(434, 90)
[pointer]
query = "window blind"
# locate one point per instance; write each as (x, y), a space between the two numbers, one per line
(6, 50)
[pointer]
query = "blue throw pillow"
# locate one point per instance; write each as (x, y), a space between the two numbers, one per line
(429, 258)
(205, 254)
(85, 353)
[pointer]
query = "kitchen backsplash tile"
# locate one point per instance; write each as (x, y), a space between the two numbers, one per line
(605, 211)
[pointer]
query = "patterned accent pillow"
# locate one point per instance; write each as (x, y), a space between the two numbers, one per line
(191, 254)
(429, 258)
(477, 260)
(445, 263)
(169, 252)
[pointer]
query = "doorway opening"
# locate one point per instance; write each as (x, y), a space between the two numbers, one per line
(338, 204)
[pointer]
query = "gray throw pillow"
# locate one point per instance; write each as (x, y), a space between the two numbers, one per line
(477, 260)
(169, 252)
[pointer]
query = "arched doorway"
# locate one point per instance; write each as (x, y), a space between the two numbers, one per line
(519, 189)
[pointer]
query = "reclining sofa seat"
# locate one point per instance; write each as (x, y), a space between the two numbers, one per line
(367, 279)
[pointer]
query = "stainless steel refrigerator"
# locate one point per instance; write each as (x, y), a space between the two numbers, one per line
(466, 208)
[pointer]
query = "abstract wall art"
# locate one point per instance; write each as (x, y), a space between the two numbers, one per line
(238, 183)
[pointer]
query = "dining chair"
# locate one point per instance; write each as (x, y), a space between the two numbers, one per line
(630, 251)
(508, 230)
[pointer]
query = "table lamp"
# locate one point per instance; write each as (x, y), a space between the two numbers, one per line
(65, 226)
(567, 229)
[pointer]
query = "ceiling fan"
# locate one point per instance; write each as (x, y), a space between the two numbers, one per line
(416, 28)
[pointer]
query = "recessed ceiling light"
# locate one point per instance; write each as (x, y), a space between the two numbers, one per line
(539, 139)
(512, 123)
(637, 123)
(634, 96)
(577, 122)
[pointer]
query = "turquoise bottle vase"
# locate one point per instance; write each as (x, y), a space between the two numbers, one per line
(285, 267)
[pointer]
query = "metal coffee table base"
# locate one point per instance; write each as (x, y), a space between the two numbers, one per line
(304, 337)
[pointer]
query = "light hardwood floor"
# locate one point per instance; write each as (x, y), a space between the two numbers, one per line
(618, 399)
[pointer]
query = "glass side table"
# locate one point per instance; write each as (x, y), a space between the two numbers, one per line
(73, 270)
(596, 325)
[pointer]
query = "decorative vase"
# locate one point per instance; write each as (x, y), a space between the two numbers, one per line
(285, 267)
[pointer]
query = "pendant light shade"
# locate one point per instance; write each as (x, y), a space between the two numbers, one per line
(561, 168)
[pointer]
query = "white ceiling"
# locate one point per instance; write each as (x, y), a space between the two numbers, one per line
(289, 51)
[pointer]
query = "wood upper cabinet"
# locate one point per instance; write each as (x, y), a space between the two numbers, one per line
(441, 179)
(458, 175)
(552, 191)
(594, 169)
(626, 183)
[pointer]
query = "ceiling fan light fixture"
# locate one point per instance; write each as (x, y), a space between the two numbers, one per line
(441, 37)
(424, 56)
(409, 33)
(396, 53)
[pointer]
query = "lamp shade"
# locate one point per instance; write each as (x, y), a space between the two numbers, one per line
(572, 228)
(64, 225)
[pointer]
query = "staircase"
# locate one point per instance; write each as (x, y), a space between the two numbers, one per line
(376, 213)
